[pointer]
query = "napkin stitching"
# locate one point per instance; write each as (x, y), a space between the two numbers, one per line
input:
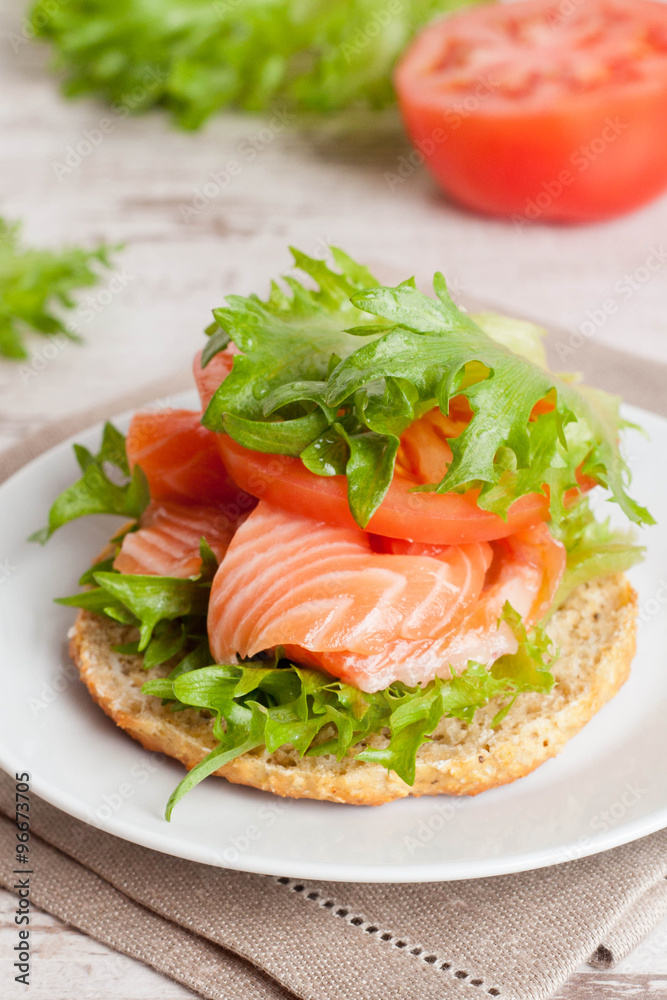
(356, 920)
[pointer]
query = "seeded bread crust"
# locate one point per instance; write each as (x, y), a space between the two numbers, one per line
(594, 630)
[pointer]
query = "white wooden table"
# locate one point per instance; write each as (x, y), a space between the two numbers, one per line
(138, 186)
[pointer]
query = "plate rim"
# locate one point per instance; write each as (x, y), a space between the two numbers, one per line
(336, 872)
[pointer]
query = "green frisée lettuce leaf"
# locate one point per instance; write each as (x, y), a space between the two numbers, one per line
(37, 286)
(519, 335)
(168, 612)
(196, 57)
(106, 486)
(336, 374)
(100, 602)
(442, 352)
(274, 704)
(285, 437)
(152, 599)
(217, 341)
(287, 338)
(594, 549)
(143, 601)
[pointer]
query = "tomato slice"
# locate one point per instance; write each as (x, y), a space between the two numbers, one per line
(424, 453)
(441, 518)
(541, 109)
(210, 378)
(423, 457)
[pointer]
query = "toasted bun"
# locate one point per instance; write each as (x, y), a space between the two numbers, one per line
(594, 631)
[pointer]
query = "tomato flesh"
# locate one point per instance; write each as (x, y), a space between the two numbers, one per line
(536, 111)
(441, 518)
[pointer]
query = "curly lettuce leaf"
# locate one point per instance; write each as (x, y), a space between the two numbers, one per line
(594, 549)
(37, 285)
(442, 352)
(196, 57)
(168, 612)
(217, 341)
(272, 705)
(519, 335)
(144, 600)
(106, 486)
(289, 338)
(335, 375)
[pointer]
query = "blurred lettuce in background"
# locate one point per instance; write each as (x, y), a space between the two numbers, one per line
(37, 285)
(195, 57)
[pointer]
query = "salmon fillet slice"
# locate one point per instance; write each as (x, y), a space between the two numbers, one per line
(369, 617)
(167, 540)
(180, 459)
(293, 581)
(526, 570)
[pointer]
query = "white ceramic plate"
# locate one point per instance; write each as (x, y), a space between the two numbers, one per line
(608, 787)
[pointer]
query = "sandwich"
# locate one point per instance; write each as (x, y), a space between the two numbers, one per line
(372, 564)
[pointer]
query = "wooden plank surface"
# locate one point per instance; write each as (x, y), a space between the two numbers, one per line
(192, 235)
(599, 986)
(67, 964)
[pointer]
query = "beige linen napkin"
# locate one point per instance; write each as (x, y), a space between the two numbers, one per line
(234, 935)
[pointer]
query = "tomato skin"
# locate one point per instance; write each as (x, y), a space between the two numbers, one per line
(534, 176)
(443, 519)
(208, 379)
(578, 157)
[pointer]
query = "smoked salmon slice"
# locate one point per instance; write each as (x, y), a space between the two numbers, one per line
(296, 582)
(167, 540)
(526, 570)
(180, 458)
(335, 601)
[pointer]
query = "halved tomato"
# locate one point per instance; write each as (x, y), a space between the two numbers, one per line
(542, 109)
